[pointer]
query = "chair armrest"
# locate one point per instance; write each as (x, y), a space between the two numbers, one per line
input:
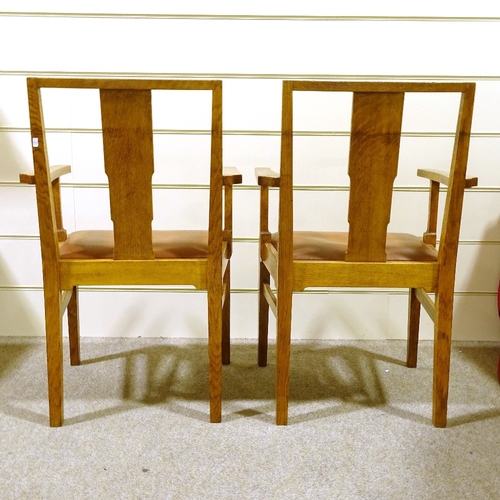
(231, 176)
(267, 177)
(55, 172)
(443, 178)
(437, 177)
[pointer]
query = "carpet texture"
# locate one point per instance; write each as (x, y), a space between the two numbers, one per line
(137, 424)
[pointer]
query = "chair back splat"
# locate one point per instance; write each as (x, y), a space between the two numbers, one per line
(373, 165)
(127, 131)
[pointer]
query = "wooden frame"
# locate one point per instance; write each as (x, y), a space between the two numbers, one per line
(127, 138)
(373, 162)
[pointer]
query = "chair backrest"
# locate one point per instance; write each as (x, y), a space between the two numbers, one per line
(376, 123)
(127, 132)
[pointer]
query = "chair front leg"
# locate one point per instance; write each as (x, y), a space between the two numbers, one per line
(226, 317)
(74, 328)
(231, 177)
(413, 329)
(264, 279)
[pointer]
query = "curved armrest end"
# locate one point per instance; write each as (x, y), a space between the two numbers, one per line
(434, 175)
(55, 172)
(443, 178)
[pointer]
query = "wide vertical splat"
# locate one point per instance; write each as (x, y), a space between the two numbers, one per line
(128, 157)
(373, 165)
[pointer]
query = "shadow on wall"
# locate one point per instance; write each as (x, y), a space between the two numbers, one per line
(476, 317)
(14, 158)
(19, 308)
(19, 305)
(19, 317)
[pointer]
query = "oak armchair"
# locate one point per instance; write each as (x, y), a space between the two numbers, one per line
(132, 253)
(366, 255)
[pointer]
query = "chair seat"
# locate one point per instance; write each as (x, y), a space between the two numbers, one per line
(322, 245)
(177, 244)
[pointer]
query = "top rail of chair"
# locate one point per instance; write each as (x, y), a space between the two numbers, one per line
(378, 86)
(124, 84)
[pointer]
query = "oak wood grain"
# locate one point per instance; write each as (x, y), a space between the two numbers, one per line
(373, 164)
(127, 131)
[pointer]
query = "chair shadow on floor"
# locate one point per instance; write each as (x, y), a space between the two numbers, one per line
(481, 357)
(478, 381)
(328, 379)
(325, 381)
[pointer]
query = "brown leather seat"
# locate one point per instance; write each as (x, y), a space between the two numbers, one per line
(324, 245)
(180, 244)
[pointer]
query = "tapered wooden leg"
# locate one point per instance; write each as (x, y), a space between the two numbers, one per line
(264, 279)
(53, 332)
(442, 354)
(283, 339)
(413, 328)
(74, 328)
(226, 318)
(215, 352)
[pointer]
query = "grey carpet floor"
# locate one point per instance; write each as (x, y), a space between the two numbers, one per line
(137, 424)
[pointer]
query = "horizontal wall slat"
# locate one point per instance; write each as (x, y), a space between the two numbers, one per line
(361, 11)
(218, 40)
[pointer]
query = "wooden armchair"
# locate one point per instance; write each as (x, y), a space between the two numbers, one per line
(132, 253)
(367, 255)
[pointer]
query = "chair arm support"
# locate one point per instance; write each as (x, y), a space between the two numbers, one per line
(437, 177)
(443, 178)
(231, 176)
(267, 177)
(55, 172)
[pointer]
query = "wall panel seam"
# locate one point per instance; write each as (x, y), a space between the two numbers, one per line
(244, 187)
(248, 132)
(248, 76)
(249, 17)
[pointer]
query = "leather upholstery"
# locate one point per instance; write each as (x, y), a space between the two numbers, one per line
(319, 245)
(178, 244)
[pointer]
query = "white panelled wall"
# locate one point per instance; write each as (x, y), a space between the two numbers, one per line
(252, 47)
